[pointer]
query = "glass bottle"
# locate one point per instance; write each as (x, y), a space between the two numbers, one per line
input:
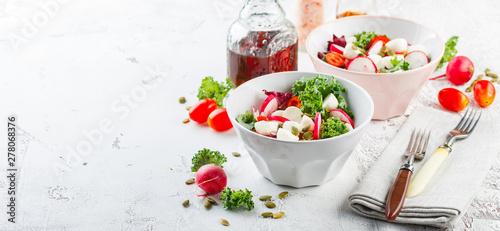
(260, 42)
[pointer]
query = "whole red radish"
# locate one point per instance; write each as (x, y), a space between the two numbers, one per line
(211, 178)
(460, 70)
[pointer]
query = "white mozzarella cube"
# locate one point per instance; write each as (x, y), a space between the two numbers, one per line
(307, 122)
(284, 134)
(330, 102)
(293, 113)
(266, 127)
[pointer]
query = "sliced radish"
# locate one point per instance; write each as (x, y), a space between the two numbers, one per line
(317, 125)
(377, 59)
(278, 118)
(293, 113)
(336, 48)
(307, 122)
(269, 106)
(398, 45)
(330, 102)
(284, 134)
(362, 64)
(349, 127)
(416, 59)
(350, 52)
(266, 127)
(339, 113)
(255, 112)
(375, 48)
(278, 113)
(417, 47)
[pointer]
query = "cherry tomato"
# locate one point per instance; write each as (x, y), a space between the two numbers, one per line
(453, 99)
(294, 101)
(382, 38)
(200, 110)
(262, 118)
(219, 120)
(335, 59)
(484, 93)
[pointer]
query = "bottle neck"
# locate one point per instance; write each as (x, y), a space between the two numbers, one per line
(262, 14)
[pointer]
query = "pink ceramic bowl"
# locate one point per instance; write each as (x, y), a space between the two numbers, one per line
(391, 92)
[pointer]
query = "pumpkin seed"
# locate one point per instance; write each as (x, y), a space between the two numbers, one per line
(224, 222)
(471, 87)
(354, 47)
(492, 75)
(295, 131)
(265, 198)
(382, 54)
(212, 201)
(270, 204)
(207, 205)
(236, 154)
(383, 50)
(182, 99)
(307, 136)
(190, 181)
(306, 128)
(267, 214)
(390, 52)
(185, 203)
(188, 107)
(487, 71)
(185, 121)
(278, 215)
(282, 194)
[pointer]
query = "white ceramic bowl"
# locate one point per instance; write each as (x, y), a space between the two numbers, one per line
(297, 163)
(391, 92)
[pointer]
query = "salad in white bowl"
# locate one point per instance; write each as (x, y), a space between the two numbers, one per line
(315, 109)
(373, 53)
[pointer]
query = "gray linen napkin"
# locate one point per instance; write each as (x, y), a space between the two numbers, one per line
(452, 189)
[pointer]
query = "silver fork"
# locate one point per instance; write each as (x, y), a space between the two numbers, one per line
(463, 130)
(396, 197)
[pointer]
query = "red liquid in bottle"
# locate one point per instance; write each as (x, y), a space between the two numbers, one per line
(252, 61)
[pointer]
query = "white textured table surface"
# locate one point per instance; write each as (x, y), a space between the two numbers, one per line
(95, 87)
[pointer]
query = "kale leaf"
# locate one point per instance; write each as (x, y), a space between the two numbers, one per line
(233, 199)
(206, 156)
(332, 127)
(214, 90)
(312, 91)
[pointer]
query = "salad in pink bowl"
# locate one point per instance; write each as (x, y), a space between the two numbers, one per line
(373, 53)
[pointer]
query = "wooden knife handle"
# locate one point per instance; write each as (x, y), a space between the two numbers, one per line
(425, 174)
(397, 195)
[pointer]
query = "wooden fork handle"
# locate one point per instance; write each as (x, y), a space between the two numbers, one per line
(397, 194)
(425, 174)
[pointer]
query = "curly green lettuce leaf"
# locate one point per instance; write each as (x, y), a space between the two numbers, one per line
(247, 120)
(399, 65)
(214, 90)
(206, 156)
(364, 39)
(233, 199)
(312, 91)
(332, 127)
(449, 51)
